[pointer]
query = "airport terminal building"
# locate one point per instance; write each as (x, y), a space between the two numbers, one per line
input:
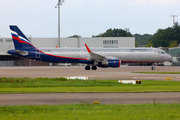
(103, 42)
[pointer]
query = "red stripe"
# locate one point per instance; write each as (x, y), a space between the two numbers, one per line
(16, 38)
(21, 41)
(141, 61)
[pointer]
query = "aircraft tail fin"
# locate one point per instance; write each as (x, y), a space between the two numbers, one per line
(19, 39)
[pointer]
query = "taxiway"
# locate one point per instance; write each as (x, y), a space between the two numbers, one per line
(76, 98)
(124, 72)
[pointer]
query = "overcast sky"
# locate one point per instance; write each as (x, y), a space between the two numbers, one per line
(39, 18)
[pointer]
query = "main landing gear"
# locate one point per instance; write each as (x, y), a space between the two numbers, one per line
(94, 68)
(88, 67)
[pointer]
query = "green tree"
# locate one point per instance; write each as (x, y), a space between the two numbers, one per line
(74, 36)
(114, 33)
(176, 28)
(163, 37)
(173, 44)
(136, 44)
(142, 39)
(150, 44)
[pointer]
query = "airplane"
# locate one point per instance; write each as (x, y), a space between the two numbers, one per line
(95, 57)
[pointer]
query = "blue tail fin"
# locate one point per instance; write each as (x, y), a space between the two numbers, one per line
(19, 39)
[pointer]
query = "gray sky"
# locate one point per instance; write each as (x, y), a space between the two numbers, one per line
(38, 18)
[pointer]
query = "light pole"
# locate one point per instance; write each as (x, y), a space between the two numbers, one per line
(58, 5)
(173, 17)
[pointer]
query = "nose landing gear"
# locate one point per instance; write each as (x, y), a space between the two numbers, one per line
(152, 68)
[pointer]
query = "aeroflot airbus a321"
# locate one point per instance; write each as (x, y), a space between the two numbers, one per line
(101, 57)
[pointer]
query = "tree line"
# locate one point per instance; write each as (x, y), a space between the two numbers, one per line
(169, 37)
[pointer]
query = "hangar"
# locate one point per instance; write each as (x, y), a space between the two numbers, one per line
(105, 42)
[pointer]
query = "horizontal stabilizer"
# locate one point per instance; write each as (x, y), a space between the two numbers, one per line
(21, 52)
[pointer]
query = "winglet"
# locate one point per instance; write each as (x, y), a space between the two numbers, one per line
(87, 48)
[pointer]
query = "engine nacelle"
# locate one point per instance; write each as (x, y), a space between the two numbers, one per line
(110, 63)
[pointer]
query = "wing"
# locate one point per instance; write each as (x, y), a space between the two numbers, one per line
(94, 56)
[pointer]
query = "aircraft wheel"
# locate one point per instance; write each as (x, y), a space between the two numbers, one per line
(152, 68)
(94, 68)
(87, 68)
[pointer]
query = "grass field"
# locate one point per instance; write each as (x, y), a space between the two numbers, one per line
(62, 85)
(87, 111)
(92, 112)
(159, 72)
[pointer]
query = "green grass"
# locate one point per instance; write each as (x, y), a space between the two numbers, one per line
(61, 85)
(159, 72)
(92, 112)
(52, 82)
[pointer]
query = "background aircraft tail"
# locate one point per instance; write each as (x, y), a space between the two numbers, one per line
(19, 39)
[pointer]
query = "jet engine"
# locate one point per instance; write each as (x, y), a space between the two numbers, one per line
(110, 63)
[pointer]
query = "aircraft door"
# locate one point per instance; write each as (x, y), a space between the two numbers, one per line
(154, 53)
(82, 54)
(122, 53)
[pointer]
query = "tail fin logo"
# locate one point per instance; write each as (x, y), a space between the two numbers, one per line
(19, 39)
(15, 36)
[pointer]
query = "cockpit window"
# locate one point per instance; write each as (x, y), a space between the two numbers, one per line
(163, 52)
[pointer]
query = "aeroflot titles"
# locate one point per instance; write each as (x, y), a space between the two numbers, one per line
(138, 49)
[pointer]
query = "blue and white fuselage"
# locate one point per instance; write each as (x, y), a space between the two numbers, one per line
(101, 57)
